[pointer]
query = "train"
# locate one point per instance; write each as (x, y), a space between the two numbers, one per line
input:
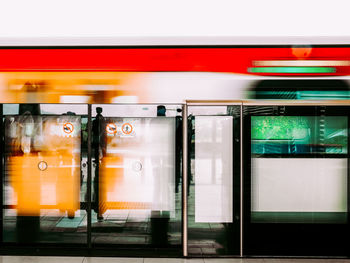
(176, 148)
(172, 74)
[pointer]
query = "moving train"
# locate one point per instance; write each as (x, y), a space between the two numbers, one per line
(172, 74)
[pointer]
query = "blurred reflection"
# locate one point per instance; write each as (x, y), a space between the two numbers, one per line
(99, 147)
(130, 169)
(300, 89)
(42, 168)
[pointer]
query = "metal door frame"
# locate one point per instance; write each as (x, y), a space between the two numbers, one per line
(242, 104)
(190, 103)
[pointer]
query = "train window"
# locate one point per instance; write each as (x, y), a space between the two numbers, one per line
(301, 90)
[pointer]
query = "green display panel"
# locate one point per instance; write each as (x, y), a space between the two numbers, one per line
(299, 134)
(280, 128)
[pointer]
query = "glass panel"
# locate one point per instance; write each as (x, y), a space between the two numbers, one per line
(43, 182)
(213, 203)
(136, 175)
(290, 182)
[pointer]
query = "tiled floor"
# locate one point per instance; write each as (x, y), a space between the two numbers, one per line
(27, 259)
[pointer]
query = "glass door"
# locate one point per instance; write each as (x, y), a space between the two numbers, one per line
(213, 176)
(296, 180)
(44, 175)
(136, 176)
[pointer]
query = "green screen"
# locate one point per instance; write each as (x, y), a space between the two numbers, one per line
(299, 134)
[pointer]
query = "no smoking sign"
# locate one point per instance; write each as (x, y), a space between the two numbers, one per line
(111, 128)
(68, 128)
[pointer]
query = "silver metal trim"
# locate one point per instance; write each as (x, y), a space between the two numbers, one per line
(241, 183)
(184, 180)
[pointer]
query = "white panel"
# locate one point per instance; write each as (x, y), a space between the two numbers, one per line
(213, 169)
(299, 185)
(148, 164)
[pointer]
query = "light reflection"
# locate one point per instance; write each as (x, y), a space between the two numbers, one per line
(136, 169)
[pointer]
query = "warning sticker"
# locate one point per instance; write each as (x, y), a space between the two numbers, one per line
(111, 128)
(127, 128)
(68, 128)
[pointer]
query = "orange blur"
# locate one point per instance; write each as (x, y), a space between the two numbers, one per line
(44, 166)
(32, 186)
(69, 87)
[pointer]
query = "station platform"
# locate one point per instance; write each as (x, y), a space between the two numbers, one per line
(29, 259)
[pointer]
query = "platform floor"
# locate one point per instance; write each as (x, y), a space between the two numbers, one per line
(32, 259)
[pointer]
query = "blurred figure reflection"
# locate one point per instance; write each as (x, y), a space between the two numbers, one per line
(99, 142)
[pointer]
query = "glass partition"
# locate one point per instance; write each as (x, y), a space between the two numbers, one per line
(296, 179)
(213, 179)
(45, 173)
(292, 144)
(136, 185)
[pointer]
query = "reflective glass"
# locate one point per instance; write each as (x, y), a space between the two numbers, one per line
(136, 175)
(290, 183)
(44, 184)
(213, 176)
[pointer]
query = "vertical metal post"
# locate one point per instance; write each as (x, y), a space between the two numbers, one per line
(241, 183)
(89, 175)
(184, 179)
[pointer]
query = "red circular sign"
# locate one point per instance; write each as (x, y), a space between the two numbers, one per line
(68, 127)
(111, 128)
(127, 128)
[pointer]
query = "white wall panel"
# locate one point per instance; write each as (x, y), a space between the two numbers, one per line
(299, 185)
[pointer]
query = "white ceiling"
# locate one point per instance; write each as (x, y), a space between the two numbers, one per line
(50, 22)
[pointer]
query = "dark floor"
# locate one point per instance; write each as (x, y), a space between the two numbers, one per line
(27, 259)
